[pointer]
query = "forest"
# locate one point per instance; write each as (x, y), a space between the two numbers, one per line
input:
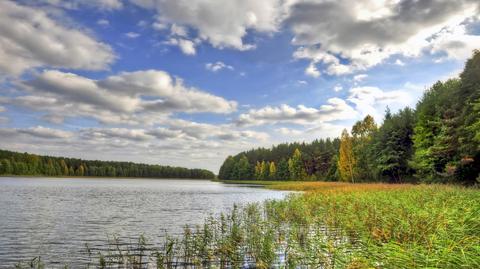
(14, 163)
(438, 141)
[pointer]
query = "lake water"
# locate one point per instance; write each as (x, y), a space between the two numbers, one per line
(55, 217)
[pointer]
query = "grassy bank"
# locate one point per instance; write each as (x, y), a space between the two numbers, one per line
(331, 225)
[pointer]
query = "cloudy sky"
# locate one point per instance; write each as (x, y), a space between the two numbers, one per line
(188, 82)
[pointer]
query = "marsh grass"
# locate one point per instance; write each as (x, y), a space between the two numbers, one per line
(331, 225)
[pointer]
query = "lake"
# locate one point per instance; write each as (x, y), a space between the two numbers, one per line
(55, 217)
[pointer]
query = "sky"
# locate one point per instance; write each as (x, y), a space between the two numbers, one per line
(189, 82)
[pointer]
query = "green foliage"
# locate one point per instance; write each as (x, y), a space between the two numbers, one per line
(272, 171)
(392, 146)
(316, 156)
(296, 166)
(282, 171)
(362, 132)
(242, 169)
(439, 141)
(13, 163)
(346, 158)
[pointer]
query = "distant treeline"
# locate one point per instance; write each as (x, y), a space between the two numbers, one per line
(14, 163)
(438, 141)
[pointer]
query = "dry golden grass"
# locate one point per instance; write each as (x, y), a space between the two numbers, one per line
(337, 186)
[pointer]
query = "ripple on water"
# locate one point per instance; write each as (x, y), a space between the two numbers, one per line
(54, 218)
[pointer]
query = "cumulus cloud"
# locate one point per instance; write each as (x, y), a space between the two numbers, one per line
(136, 135)
(30, 38)
(372, 100)
(347, 37)
(217, 66)
(222, 24)
(36, 132)
(359, 77)
(335, 109)
(399, 62)
(141, 97)
(76, 4)
(186, 46)
(125, 92)
(288, 131)
(170, 144)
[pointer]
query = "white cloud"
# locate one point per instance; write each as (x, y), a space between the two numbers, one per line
(132, 35)
(372, 100)
(43, 132)
(312, 70)
(288, 131)
(77, 4)
(338, 88)
(222, 24)
(399, 62)
(178, 30)
(30, 38)
(217, 66)
(302, 82)
(335, 109)
(137, 135)
(359, 77)
(186, 46)
(103, 22)
(348, 37)
(142, 97)
(204, 145)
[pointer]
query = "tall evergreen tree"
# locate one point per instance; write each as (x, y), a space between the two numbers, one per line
(392, 146)
(282, 171)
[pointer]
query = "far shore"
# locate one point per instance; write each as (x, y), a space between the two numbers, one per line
(92, 177)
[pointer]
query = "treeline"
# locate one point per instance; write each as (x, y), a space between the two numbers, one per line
(438, 141)
(14, 163)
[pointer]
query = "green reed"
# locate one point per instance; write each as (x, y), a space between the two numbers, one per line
(353, 226)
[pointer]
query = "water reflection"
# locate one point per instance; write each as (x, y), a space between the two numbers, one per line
(54, 218)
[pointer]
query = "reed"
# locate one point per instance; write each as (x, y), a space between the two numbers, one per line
(330, 225)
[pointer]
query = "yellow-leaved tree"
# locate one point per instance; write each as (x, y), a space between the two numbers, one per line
(346, 158)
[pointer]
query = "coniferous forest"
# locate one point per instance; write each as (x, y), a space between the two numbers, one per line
(436, 142)
(14, 163)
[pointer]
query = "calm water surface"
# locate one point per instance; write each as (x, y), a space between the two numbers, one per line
(54, 218)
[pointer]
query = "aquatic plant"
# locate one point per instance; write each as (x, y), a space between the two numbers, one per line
(332, 225)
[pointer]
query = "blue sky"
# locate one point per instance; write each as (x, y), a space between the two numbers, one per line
(189, 82)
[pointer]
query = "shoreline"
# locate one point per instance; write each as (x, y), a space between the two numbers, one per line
(93, 177)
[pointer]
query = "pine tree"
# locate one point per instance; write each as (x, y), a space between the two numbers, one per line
(393, 146)
(282, 171)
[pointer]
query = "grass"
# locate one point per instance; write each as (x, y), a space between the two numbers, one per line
(331, 225)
